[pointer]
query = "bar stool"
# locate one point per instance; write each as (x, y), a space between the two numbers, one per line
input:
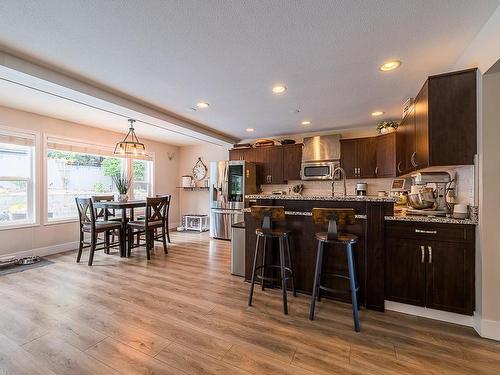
(334, 216)
(268, 215)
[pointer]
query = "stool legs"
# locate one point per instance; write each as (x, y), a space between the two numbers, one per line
(263, 272)
(253, 271)
(352, 281)
(291, 265)
(317, 274)
(283, 275)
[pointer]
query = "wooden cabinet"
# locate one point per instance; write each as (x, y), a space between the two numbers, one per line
(275, 164)
(441, 128)
(292, 162)
(358, 157)
(405, 143)
(430, 265)
(405, 272)
(386, 155)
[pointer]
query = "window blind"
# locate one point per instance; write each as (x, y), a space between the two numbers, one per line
(59, 144)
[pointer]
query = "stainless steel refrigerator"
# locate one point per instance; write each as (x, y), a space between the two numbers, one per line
(230, 181)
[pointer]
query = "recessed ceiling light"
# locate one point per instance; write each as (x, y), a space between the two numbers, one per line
(249, 130)
(202, 105)
(390, 65)
(279, 89)
(377, 113)
(306, 122)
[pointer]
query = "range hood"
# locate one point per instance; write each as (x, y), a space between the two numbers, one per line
(321, 148)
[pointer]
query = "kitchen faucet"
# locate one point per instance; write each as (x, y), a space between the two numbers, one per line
(342, 175)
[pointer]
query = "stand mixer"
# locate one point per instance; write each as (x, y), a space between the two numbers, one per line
(430, 201)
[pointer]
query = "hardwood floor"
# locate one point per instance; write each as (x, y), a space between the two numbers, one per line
(183, 313)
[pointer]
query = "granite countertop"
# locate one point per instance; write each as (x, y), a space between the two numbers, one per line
(305, 213)
(430, 219)
(338, 198)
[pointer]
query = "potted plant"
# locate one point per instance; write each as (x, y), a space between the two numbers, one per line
(387, 127)
(122, 185)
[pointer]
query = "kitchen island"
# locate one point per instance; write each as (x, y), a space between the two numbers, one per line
(369, 251)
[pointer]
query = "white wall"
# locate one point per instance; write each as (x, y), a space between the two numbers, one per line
(483, 52)
(197, 202)
(51, 237)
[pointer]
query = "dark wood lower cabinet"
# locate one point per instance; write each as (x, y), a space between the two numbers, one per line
(450, 277)
(404, 271)
(431, 265)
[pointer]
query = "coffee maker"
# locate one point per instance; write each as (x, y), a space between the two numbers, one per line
(429, 189)
(361, 189)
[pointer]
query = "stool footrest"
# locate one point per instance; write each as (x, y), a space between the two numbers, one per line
(332, 290)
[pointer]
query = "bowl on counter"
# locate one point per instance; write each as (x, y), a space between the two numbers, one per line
(422, 200)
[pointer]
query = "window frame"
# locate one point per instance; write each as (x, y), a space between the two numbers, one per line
(33, 199)
(81, 143)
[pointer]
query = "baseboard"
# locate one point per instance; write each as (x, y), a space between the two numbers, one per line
(44, 251)
(445, 316)
(173, 226)
(489, 329)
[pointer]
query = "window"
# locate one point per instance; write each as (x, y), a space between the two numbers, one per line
(141, 179)
(73, 174)
(17, 186)
(76, 170)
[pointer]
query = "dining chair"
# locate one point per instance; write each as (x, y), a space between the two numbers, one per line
(169, 199)
(102, 213)
(154, 220)
(89, 224)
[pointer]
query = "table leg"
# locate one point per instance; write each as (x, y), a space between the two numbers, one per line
(123, 234)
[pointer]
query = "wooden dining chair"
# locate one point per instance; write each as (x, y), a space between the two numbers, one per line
(103, 213)
(169, 200)
(89, 224)
(154, 219)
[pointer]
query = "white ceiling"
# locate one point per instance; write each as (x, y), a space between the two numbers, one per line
(173, 54)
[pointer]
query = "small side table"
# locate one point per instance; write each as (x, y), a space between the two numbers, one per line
(197, 223)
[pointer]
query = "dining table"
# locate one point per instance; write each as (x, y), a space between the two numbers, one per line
(127, 214)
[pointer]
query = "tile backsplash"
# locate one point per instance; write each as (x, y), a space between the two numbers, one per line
(464, 188)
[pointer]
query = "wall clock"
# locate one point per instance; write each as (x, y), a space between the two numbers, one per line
(199, 170)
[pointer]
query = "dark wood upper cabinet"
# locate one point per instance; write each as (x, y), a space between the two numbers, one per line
(421, 156)
(348, 157)
(405, 140)
(275, 164)
(441, 128)
(358, 157)
(292, 161)
(452, 118)
(386, 155)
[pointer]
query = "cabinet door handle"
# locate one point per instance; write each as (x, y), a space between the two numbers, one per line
(425, 231)
(413, 162)
(376, 171)
(270, 178)
(422, 249)
(399, 168)
(430, 254)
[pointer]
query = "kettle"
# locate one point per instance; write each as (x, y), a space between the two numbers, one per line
(361, 189)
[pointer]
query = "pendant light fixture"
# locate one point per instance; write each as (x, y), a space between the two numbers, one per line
(130, 145)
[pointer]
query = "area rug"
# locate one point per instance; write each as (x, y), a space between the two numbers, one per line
(13, 269)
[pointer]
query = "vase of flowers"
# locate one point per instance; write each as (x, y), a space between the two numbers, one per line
(122, 185)
(387, 127)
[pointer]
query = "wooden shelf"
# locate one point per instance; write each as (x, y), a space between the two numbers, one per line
(197, 188)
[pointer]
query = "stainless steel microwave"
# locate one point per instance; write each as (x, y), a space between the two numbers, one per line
(318, 170)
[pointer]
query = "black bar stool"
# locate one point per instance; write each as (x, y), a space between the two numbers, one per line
(334, 216)
(268, 215)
